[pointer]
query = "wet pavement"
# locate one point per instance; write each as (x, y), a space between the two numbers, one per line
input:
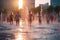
(46, 32)
(35, 32)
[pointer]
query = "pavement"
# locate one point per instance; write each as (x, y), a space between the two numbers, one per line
(34, 32)
(13, 29)
(46, 31)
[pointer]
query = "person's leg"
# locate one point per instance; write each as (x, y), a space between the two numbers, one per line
(39, 21)
(17, 22)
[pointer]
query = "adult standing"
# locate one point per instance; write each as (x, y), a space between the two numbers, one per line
(17, 18)
(30, 18)
(11, 18)
(39, 17)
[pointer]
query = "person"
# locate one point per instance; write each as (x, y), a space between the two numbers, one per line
(30, 19)
(17, 18)
(11, 18)
(39, 18)
(48, 18)
(51, 17)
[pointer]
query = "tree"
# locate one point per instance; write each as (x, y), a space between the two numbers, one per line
(5, 11)
(57, 9)
(33, 10)
(38, 9)
(50, 9)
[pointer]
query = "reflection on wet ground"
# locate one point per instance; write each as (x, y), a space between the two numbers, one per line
(34, 33)
(46, 34)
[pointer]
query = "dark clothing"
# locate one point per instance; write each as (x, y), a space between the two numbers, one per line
(39, 16)
(11, 19)
(30, 18)
(17, 18)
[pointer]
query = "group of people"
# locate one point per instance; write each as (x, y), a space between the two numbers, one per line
(15, 17)
(49, 18)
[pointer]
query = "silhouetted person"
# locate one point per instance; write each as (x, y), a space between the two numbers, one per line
(48, 18)
(51, 17)
(30, 18)
(17, 18)
(39, 16)
(11, 18)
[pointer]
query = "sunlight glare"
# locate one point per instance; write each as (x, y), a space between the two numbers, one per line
(20, 3)
(21, 23)
(20, 30)
(19, 37)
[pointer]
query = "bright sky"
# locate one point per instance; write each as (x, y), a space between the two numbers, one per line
(20, 3)
(37, 2)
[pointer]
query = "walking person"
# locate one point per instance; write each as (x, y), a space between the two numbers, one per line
(11, 18)
(51, 17)
(39, 16)
(48, 18)
(17, 18)
(30, 18)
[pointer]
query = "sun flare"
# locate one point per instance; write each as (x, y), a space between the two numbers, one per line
(20, 2)
(19, 37)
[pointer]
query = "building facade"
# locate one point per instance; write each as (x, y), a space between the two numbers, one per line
(55, 2)
(8, 4)
(29, 3)
(13, 4)
(44, 6)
